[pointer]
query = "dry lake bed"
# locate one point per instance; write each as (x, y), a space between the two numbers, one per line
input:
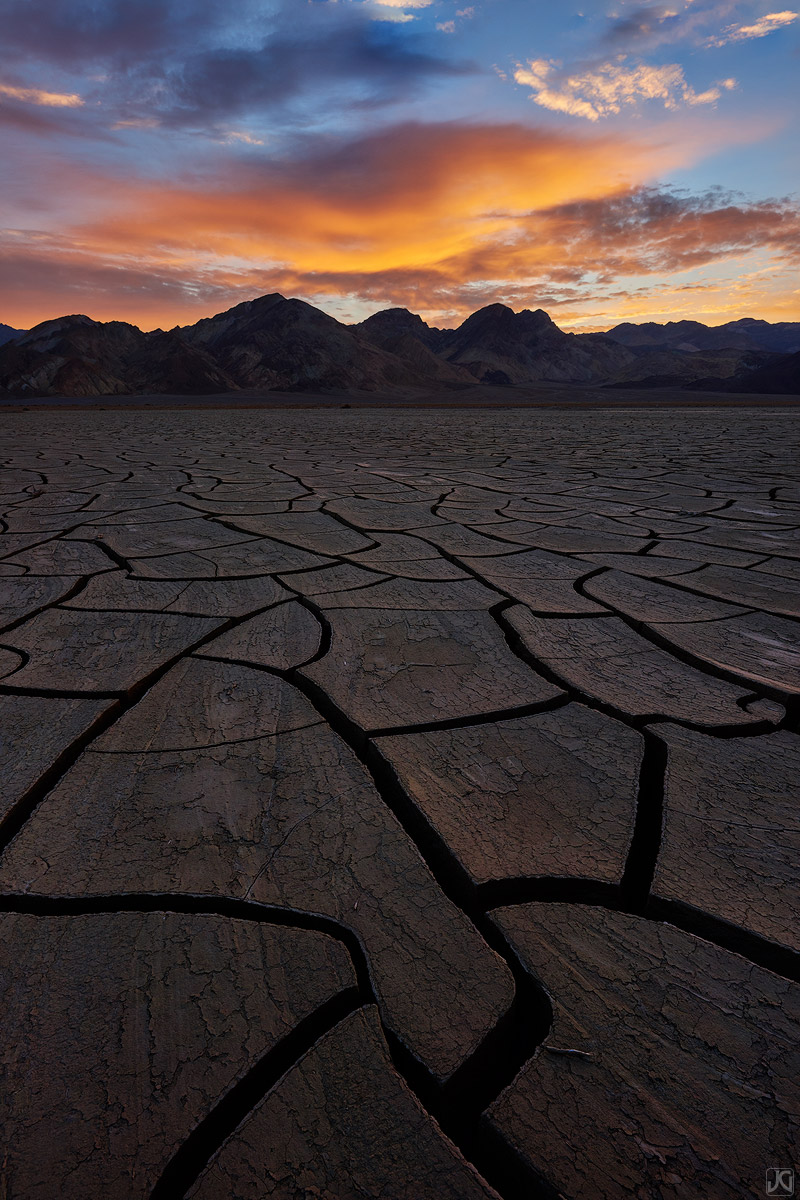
(399, 804)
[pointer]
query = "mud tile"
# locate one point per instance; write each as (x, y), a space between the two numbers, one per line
(551, 794)
(789, 568)
(135, 539)
(758, 541)
(607, 661)
(260, 556)
(461, 541)
(705, 552)
(282, 637)
(584, 541)
(34, 731)
(83, 651)
(329, 580)
(310, 530)
(751, 588)
(139, 514)
(157, 1016)
(643, 600)
(20, 596)
(543, 581)
(64, 558)
(731, 832)
(461, 515)
(646, 565)
(293, 820)
(374, 515)
(203, 703)
(395, 546)
(228, 597)
(399, 594)
(10, 661)
(115, 592)
(388, 669)
(757, 646)
(685, 1080)
(341, 1123)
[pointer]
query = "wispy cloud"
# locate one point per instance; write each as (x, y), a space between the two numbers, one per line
(394, 10)
(28, 95)
(606, 89)
(178, 63)
(759, 29)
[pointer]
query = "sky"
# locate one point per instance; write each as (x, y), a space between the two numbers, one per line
(612, 161)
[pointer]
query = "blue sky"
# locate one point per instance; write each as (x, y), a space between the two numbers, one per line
(627, 161)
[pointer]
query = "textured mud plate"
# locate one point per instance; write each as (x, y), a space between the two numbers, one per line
(398, 804)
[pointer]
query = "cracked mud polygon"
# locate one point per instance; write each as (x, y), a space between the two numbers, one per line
(399, 804)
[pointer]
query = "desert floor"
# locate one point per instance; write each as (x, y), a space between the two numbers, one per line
(399, 803)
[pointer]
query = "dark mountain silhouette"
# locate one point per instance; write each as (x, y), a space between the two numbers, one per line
(779, 377)
(659, 367)
(498, 345)
(746, 334)
(272, 343)
(75, 356)
(7, 334)
(394, 323)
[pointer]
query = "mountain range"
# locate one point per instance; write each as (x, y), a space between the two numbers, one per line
(7, 334)
(274, 343)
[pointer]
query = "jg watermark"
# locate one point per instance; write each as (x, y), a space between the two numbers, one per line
(780, 1181)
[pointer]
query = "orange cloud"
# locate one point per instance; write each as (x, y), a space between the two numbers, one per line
(422, 195)
(37, 96)
(441, 219)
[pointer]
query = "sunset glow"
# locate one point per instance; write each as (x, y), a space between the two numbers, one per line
(609, 164)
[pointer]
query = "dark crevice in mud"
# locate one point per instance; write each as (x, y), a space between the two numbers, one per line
(520, 650)
(641, 720)
(761, 951)
(325, 633)
(676, 581)
(7, 689)
(381, 576)
(194, 904)
(646, 631)
(506, 1049)
(37, 540)
(486, 718)
(208, 1136)
(116, 558)
(640, 867)
(492, 1065)
(791, 722)
(458, 1106)
(22, 655)
(721, 732)
(71, 592)
(24, 807)
(458, 1103)
(553, 889)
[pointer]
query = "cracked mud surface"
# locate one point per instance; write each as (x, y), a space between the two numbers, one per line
(399, 804)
